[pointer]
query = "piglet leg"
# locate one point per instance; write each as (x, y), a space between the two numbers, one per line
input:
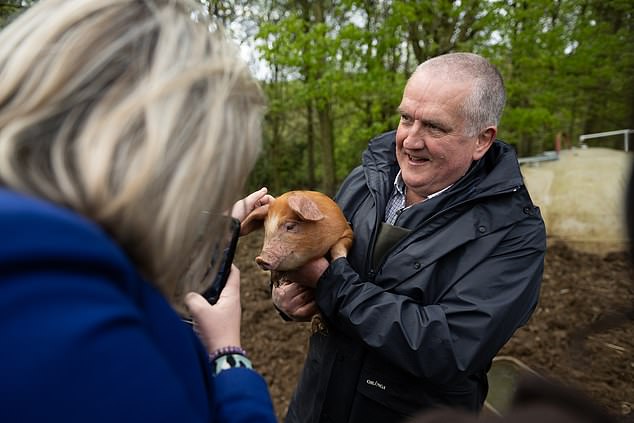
(342, 246)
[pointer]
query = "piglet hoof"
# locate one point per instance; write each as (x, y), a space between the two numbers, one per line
(317, 325)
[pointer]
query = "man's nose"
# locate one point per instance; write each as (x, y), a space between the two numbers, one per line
(415, 139)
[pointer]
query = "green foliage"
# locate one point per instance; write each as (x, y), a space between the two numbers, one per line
(11, 8)
(336, 71)
(568, 65)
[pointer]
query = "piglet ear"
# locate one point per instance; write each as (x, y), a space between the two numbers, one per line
(305, 208)
(254, 220)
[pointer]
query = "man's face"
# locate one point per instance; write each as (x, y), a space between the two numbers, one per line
(432, 147)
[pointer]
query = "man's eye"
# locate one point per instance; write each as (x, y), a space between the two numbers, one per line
(406, 119)
(434, 128)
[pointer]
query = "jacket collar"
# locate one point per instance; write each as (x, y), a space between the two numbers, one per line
(497, 172)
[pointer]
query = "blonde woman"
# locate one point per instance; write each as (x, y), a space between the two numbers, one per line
(127, 127)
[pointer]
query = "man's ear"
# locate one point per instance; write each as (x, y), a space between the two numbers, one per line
(254, 220)
(484, 142)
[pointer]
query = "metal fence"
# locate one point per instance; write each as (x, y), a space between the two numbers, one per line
(625, 132)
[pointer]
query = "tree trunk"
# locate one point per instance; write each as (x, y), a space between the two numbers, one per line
(326, 130)
(326, 124)
(310, 144)
(276, 134)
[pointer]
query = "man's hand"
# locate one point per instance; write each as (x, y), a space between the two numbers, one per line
(295, 300)
(309, 274)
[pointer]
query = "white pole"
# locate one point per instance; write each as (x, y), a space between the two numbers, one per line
(625, 132)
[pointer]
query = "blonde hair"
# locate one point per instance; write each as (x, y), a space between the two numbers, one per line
(137, 114)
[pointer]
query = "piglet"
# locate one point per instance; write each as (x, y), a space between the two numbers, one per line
(299, 226)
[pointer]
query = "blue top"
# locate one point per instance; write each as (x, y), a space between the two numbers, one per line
(83, 338)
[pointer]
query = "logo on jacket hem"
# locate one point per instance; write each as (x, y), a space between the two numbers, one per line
(375, 383)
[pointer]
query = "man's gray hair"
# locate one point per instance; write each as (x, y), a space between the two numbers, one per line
(484, 106)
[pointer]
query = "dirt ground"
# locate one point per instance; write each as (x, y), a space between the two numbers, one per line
(578, 289)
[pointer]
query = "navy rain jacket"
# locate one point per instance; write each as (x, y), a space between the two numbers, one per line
(419, 328)
(84, 338)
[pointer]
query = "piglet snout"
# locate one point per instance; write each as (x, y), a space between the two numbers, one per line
(264, 265)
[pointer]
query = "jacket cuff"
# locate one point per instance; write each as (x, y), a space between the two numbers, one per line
(330, 282)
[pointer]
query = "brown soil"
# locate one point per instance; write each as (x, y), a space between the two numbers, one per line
(578, 290)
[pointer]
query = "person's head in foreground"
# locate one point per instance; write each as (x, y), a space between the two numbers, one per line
(138, 115)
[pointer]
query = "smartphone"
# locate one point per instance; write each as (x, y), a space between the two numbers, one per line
(226, 259)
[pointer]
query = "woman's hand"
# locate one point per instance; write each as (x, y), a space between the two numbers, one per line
(256, 199)
(218, 325)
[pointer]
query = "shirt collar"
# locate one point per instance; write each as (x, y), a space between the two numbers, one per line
(399, 184)
(401, 188)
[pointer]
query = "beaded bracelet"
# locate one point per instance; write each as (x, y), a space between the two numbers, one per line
(225, 351)
(229, 361)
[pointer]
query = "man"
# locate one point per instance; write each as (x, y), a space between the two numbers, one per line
(446, 264)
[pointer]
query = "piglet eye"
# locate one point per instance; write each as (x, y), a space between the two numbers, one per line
(290, 226)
